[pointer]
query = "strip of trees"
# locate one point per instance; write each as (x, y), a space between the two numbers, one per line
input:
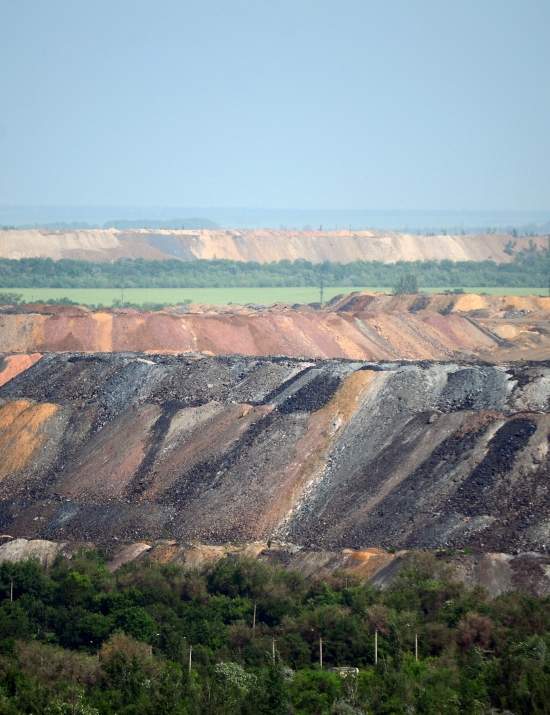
(527, 269)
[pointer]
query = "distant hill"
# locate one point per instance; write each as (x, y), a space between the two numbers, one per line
(182, 223)
(411, 221)
(172, 223)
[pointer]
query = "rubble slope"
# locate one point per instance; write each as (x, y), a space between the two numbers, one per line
(329, 454)
(498, 573)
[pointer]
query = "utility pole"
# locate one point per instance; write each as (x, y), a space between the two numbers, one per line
(376, 647)
(190, 658)
(321, 652)
(11, 590)
(123, 286)
(273, 650)
(416, 646)
(254, 620)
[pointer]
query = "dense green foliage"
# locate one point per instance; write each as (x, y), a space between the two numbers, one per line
(79, 639)
(529, 269)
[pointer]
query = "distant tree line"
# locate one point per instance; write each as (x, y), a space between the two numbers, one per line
(527, 269)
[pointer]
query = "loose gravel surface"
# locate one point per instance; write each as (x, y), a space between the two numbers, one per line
(321, 453)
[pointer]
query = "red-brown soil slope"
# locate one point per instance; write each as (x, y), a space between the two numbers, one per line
(360, 326)
(262, 245)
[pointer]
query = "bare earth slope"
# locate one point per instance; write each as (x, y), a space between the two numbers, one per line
(360, 326)
(331, 454)
(262, 245)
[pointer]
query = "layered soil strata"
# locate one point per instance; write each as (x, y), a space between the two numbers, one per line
(328, 454)
(473, 304)
(262, 245)
(359, 326)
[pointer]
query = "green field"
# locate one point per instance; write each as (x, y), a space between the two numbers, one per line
(221, 296)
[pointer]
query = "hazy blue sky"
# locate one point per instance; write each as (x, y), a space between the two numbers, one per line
(441, 104)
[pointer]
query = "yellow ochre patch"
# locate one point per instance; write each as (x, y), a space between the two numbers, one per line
(344, 402)
(20, 435)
